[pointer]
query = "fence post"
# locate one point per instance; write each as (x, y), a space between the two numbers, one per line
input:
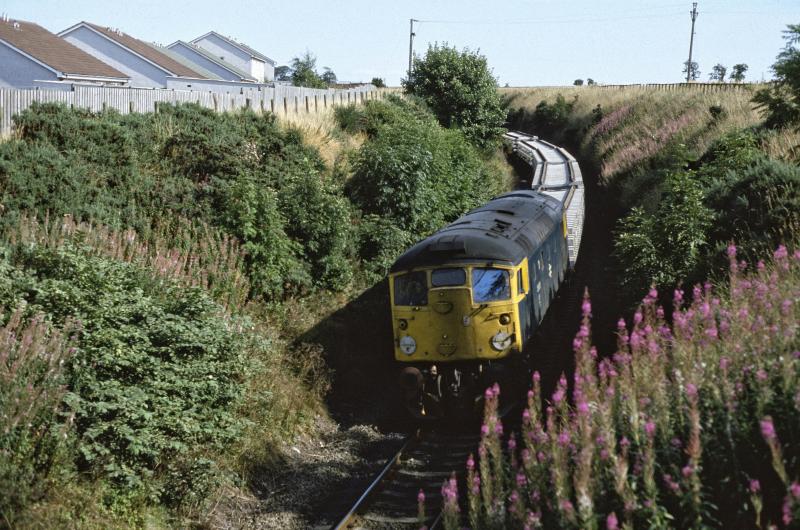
(308, 109)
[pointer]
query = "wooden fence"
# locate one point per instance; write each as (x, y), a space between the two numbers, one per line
(279, 99)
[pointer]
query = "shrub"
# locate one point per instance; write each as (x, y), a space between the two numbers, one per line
(156, 374)
(667, 244)
(758, 206)
(185, 162)
(419, 176)
(691, 425)
(780, 102)
(460, 90)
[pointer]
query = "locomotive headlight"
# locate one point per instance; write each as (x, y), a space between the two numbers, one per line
(408, 345)
(403, 324)
(501, 341)
(505, 319)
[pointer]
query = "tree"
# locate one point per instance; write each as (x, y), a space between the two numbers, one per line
(378, 82)
(718, 73)
(692, 69)
(578, 82)
(780, 102)
(283, 73)
(737, 72)
(328, 76)
(590, 82)
(459, 88)
(304, 71)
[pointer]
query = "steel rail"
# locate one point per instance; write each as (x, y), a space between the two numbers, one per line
(347, 519)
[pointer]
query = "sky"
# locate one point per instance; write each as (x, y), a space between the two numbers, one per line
(526, 42)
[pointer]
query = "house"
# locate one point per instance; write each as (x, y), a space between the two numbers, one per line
(30, 54)
(146, 65)
(245, 58)
(210, 62)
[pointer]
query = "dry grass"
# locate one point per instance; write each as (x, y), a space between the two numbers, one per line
(638, 122)
(320, 130)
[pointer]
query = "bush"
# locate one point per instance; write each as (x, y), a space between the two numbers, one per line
(780, 102)
(666, 245)
(757, 206)
(460, 90)
(156, 374)
(419, 176)
(185, 162)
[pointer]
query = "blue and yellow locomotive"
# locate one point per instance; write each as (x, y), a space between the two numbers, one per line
(466, 300)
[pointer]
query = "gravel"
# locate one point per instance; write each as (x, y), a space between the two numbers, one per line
(323, 473)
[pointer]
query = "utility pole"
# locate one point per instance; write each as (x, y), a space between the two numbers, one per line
(689, 69)
(411, 35)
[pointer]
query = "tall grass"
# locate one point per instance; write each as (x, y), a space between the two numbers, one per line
(193, 254)
(636, 123)
(693, 424)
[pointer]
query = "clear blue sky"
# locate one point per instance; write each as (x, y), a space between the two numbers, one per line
(527, 42)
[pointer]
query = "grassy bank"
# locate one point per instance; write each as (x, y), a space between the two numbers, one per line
(687, 171)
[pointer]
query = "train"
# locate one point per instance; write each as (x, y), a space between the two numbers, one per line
(466, 301)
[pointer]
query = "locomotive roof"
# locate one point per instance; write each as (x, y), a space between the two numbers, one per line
(504, 230)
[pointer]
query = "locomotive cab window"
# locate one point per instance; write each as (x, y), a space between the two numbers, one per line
(448, 277)
(411, 289)
(489, 285)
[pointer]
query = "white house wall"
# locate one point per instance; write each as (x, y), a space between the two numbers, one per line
(142, 73)
(269, 73)
(257, 69)
(17, 71)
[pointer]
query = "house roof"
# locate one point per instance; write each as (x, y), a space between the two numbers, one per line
(244, 76)
(244, 47)
(141, 48)
(54, 52)
(184, 61)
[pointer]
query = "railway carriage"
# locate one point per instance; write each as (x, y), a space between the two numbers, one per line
(467, 300)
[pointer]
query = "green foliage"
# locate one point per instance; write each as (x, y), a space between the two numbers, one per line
(547, 119)
(378, 82)
(683, 223)
(304, 71)
(578, 82)
(460, 90)
(737, 72)
(780, 102)
(418, 175)
(758, 206)
(665, 246)
(156, 373)
(283, 73)
(226, 170)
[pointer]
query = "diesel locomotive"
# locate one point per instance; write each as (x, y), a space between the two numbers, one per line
(467, 300)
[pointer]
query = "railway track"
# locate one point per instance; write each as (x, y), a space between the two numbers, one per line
(424, 462)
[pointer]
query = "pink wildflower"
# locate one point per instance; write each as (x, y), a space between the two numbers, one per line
(795, 490)
(611, 521)
(755, 486)
(691, 390)
(768, 429)
(650, 428)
